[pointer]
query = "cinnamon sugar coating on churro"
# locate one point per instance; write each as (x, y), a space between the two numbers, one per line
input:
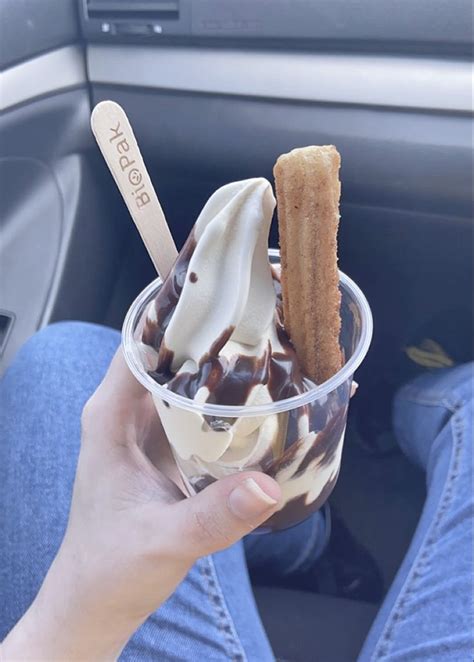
(308, 191)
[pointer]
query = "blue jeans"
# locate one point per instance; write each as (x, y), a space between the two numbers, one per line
(212, 614)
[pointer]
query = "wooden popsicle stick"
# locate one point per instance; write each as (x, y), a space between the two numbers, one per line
(120, 150)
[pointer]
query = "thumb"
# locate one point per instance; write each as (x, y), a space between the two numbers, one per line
(224, 512)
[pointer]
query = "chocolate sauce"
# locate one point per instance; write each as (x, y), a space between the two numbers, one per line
(162, 374)
(279, 295)
(285, 378)
(242, 373)
(229, 381)
(296, 510)
(219, 343)
(324, 447)
(168, 296)
(284, 460)
(326, 442)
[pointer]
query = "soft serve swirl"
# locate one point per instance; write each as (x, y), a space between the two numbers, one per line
(214, 334)
(215, 322)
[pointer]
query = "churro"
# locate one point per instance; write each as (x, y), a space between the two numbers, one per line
(308, 191)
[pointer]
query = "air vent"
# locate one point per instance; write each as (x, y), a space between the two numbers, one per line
(132, 9)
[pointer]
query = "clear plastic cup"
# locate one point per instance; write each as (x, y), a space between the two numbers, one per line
(297, 441)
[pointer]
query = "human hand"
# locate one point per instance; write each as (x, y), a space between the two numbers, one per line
(131, 536)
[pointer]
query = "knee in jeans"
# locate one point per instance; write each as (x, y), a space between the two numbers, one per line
(67, 342)
(423, 407)
(56, 335)
(451, 388)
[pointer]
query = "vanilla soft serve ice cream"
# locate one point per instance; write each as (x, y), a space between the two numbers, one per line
(214, 334)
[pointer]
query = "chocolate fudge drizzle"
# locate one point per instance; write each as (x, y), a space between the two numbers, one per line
(229, 380)
(164, 305)
(168, 296)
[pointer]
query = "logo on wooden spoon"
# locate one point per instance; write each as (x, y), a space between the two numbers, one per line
(127, 166)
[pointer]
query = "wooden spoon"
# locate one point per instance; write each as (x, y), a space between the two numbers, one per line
(120, 150)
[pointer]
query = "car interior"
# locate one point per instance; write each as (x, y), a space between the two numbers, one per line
(215, 92)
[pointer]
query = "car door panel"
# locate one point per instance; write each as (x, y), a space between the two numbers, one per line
(62, 222)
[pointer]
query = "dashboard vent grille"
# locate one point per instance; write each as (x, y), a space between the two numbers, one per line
(132, 9)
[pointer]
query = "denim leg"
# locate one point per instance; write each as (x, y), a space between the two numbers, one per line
(428, 612)
(41, 399)
(211, 615)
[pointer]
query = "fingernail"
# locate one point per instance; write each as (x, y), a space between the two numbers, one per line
(248, 501)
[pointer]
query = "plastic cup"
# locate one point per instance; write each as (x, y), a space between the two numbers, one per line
(306, 431)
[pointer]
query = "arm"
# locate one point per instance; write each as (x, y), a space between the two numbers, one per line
(131, 536)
